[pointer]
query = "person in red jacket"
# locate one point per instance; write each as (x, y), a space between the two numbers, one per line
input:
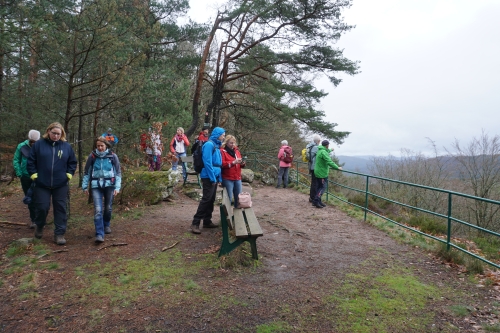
(231, 168)
(203, 136)
(178, 147)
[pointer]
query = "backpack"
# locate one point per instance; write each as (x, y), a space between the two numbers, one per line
(305, 155)
(288, 155)
(111, 158)
(197, 156)
(195, 146)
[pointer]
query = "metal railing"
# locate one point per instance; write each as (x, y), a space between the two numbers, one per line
(299, 174)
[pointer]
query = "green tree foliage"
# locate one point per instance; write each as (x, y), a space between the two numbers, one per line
(265, 60)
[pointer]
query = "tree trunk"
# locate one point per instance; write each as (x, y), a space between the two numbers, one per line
(199, 80)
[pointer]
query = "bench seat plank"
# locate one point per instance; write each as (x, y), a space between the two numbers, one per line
(253, 224)
(240, 228)
(226, 203)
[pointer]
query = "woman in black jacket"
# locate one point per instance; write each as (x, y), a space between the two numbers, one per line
(51, 164)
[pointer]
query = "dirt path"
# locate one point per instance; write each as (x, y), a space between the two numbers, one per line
(306, 254)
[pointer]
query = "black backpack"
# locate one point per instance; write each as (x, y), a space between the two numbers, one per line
(197, 157)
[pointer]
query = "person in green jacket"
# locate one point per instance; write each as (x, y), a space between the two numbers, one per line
(321, 169)
(20, 161)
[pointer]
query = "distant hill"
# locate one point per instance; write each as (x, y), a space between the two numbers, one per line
(355, 163)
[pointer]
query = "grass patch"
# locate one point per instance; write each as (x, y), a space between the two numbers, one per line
(380, 303)
(460, 310)
(489, 246)
(428, 225)
(126, 280)
(274, 327)
(491, 328)
(16, 249)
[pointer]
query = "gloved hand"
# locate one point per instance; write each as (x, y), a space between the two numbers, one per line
(34, 176)
(69, 176)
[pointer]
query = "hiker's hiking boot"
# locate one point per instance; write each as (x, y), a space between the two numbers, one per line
(322, 204)
(317, 205)
(107, 230)
(32, 225)
(59, 239)
(210, 225)
(99, 239)
(38, 232)
(195, 229)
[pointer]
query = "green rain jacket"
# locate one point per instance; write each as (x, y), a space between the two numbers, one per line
(323, 162)
(21, 158)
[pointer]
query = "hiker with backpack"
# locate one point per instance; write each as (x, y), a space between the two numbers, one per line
(154, 147)
(311, 151)
(285, 155)
(321, 169)
(51, 165)
(210, 177)
(102, 178)
(20, 167)
(110, 137)
(232, 162)
(178, 147)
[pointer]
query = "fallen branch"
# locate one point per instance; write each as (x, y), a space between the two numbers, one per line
(114, 244)
(13, 223)
(59, 251)
(169, 247)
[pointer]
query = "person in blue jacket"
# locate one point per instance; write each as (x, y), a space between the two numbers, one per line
(51, 165)
(102, 174)
(210, 176)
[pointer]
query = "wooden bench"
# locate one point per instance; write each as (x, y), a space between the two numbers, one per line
(244, 224)
(188, 160)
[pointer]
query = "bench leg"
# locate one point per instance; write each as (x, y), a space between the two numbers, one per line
(227, 246)
(253, 245)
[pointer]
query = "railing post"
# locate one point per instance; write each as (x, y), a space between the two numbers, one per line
(297, 172)
(448, 237)
(327, 182)
(366, 195)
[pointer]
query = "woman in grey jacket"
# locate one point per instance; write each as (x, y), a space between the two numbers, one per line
(102, 175)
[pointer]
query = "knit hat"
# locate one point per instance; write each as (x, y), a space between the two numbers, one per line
(325, 143)
(33, 135)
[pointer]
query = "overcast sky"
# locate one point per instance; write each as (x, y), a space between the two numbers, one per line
(429, 69)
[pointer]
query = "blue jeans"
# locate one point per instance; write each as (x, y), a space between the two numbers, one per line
(232, 187)
(102, 215)
(283, 176)
(174, 165)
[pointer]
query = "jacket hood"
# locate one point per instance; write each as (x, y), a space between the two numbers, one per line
(321, 147)
(216, 133)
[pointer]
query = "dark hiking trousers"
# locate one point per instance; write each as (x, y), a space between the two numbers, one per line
(314, 186)
(26, 184)
(320, 189)
(206, 206)
(42, 203)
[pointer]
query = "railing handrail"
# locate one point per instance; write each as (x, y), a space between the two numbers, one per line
(273, 160)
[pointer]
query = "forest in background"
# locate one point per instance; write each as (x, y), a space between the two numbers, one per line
(124, 64)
